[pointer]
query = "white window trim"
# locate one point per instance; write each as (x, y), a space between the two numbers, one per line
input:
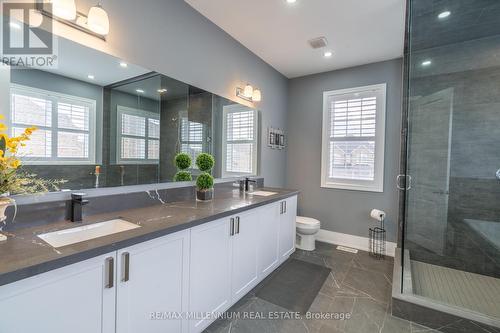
(238, 108)
(377, 185)
(30, 91)
(136, 112)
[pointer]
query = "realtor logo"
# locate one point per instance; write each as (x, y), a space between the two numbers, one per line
(27, 38)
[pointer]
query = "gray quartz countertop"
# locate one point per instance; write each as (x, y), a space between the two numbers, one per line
(24, 254)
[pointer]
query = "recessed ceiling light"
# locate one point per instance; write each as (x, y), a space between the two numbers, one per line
(444, 14)
(291, 1)
(140, 91)
(426, 63)
(328, 54)
(90, 76)
(161, 91)
(123, 64)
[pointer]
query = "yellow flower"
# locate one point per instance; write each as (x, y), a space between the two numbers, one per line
(2, 117)
(28, 131)
(15, 163)
(11, 143)
(3, 128)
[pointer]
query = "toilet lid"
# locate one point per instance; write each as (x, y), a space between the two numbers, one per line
(307, 221)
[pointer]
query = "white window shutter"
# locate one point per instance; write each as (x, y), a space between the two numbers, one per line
(65, 126)
(240, 141)
(353, 138)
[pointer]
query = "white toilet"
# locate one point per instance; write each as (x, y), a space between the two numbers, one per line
(307, 228)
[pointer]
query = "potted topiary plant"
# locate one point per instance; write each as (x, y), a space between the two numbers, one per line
(204, 187)
(205, 182)
(182, 162)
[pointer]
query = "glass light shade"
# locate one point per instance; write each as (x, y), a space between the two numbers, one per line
(65, 9)
(257, 95)
(36, 18)
(248, 91)
(98, 20)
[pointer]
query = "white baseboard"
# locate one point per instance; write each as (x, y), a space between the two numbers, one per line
(356, 242)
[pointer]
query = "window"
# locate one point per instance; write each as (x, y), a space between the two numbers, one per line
(353, 138)
(191, 134)
(66, 126)
(138, 138)
(239, 155)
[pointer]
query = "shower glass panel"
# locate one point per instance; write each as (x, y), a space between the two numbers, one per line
(452, 212)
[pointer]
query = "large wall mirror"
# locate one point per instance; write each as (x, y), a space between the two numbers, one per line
(103, 122)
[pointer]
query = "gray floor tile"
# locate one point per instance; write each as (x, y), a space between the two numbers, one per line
(368, 316)
(416, 328)
(358, 284)
(395, 325)
(365, 261)
(370, 282)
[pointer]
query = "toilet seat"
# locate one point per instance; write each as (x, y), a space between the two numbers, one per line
(307, 222)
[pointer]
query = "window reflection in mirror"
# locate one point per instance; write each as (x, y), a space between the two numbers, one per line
(100, 124)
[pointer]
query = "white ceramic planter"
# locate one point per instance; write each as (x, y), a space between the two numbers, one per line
(5, 202)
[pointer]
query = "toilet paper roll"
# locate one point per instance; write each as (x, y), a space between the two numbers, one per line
(378, 215)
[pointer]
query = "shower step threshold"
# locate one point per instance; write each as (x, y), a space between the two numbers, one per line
(478, 293)
(422, 303)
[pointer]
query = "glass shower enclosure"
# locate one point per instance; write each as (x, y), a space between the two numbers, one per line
(451, 234)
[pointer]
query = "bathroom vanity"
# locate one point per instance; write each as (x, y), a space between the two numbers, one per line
(147, 256)
(187, 263)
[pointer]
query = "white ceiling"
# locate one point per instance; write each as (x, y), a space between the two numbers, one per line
(77, 61)
(358, 31)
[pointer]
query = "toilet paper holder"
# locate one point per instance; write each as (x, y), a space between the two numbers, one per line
(377, 235)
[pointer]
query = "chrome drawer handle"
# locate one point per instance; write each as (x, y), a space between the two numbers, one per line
(110, 273)
(126, 266)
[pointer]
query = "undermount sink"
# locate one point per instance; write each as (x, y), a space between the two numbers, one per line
(263, 193)
(86, 232)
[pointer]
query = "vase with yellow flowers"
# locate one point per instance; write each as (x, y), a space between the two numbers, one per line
(13, 180)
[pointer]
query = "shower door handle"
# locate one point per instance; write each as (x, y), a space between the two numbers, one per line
(408, 183)
(498, 174)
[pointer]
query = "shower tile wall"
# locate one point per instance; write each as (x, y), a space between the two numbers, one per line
(475, 156)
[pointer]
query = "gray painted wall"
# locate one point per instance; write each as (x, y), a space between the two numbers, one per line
(341, 211)
(170, 37)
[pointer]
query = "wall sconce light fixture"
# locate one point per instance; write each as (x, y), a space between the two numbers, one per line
(98, 20)
(96, 23)
(249, 93)
(65, 9)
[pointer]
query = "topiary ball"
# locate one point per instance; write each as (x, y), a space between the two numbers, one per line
(182, 161)
(205, 181)
(205, 162)
(183, 176)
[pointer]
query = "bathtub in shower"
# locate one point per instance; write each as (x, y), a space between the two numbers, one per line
(489, 230)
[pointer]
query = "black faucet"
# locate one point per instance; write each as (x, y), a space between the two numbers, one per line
(247, 181)
(77, 203)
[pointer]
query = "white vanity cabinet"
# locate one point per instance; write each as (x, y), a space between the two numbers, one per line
(232, 255)
(287, 218)
(152, 285)
(268, 238)
(223, 266)
(78, 298)
(244, 272)
(210, 272)
(173, 283)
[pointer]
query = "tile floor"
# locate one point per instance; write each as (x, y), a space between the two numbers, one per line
(358, 286)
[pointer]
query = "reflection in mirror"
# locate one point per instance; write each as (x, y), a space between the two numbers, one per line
(102, 122)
